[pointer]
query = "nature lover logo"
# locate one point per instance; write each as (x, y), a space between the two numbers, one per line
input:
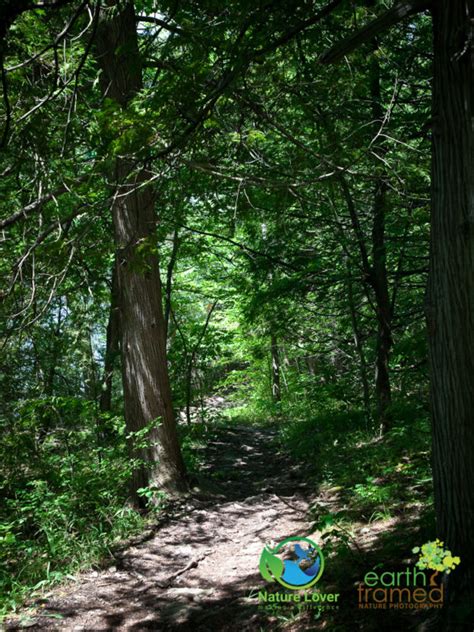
(295, 563)
(412, 588)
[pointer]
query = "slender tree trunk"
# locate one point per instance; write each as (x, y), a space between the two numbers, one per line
(189, 389)
(55, 353)
(276, 382)
(358, 343)
(383, 311)
(191, 361)
(450, 299)
(50, 373)
(379, 277)
(169, 277)
(201, 400)
(111, 346)
(375, 283)
(147, 393)
(91, 371)
(92, 391)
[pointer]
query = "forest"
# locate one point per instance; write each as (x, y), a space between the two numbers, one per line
(237, 315)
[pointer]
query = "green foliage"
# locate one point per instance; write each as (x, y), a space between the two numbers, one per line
(255, 161)
(193, 441)
(63, 495)
(373, 478)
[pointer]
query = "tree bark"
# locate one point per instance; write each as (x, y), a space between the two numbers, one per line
(450, 299)
(147, 393)
(378, 276)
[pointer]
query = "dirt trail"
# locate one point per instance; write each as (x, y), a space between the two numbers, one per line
(196, 571)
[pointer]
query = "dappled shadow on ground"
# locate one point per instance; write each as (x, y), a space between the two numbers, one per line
(199, 570)
(377, 507)
(384, 546)
(137, 605)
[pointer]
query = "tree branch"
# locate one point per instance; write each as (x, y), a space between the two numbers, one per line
(394, 15)
(238, 68)
(246, 249)
(289, 35)
(151, 19)
(26, 211)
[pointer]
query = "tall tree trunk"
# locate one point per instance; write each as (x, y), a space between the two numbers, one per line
(144, 364)
(276, 382)
(450, 300)
(111, 346)
(384, 342)
(169, 278)
(189, 389)
(192, 359)
(358, 343)
(147, 393)
(375, 283)
(379, 277)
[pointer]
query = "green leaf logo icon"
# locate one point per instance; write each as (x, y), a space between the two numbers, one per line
(271, 567)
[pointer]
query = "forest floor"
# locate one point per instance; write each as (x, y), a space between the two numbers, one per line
(197, 569)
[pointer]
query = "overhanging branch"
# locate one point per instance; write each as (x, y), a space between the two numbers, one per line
(391, 17)
(26, 211)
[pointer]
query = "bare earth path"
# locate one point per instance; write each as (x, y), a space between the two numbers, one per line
(196, 571)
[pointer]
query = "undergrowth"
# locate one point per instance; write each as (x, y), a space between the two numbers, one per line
(373, 476)
(63, 494)
(366, 478)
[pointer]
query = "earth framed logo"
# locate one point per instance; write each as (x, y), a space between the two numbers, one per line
(411, 588)
(300, 569)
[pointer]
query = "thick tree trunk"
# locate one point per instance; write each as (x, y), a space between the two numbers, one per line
(276, 382)
(450, 301)
(147, 393)
(144, 364)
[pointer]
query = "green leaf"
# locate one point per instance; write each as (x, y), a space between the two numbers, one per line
(271, 567)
